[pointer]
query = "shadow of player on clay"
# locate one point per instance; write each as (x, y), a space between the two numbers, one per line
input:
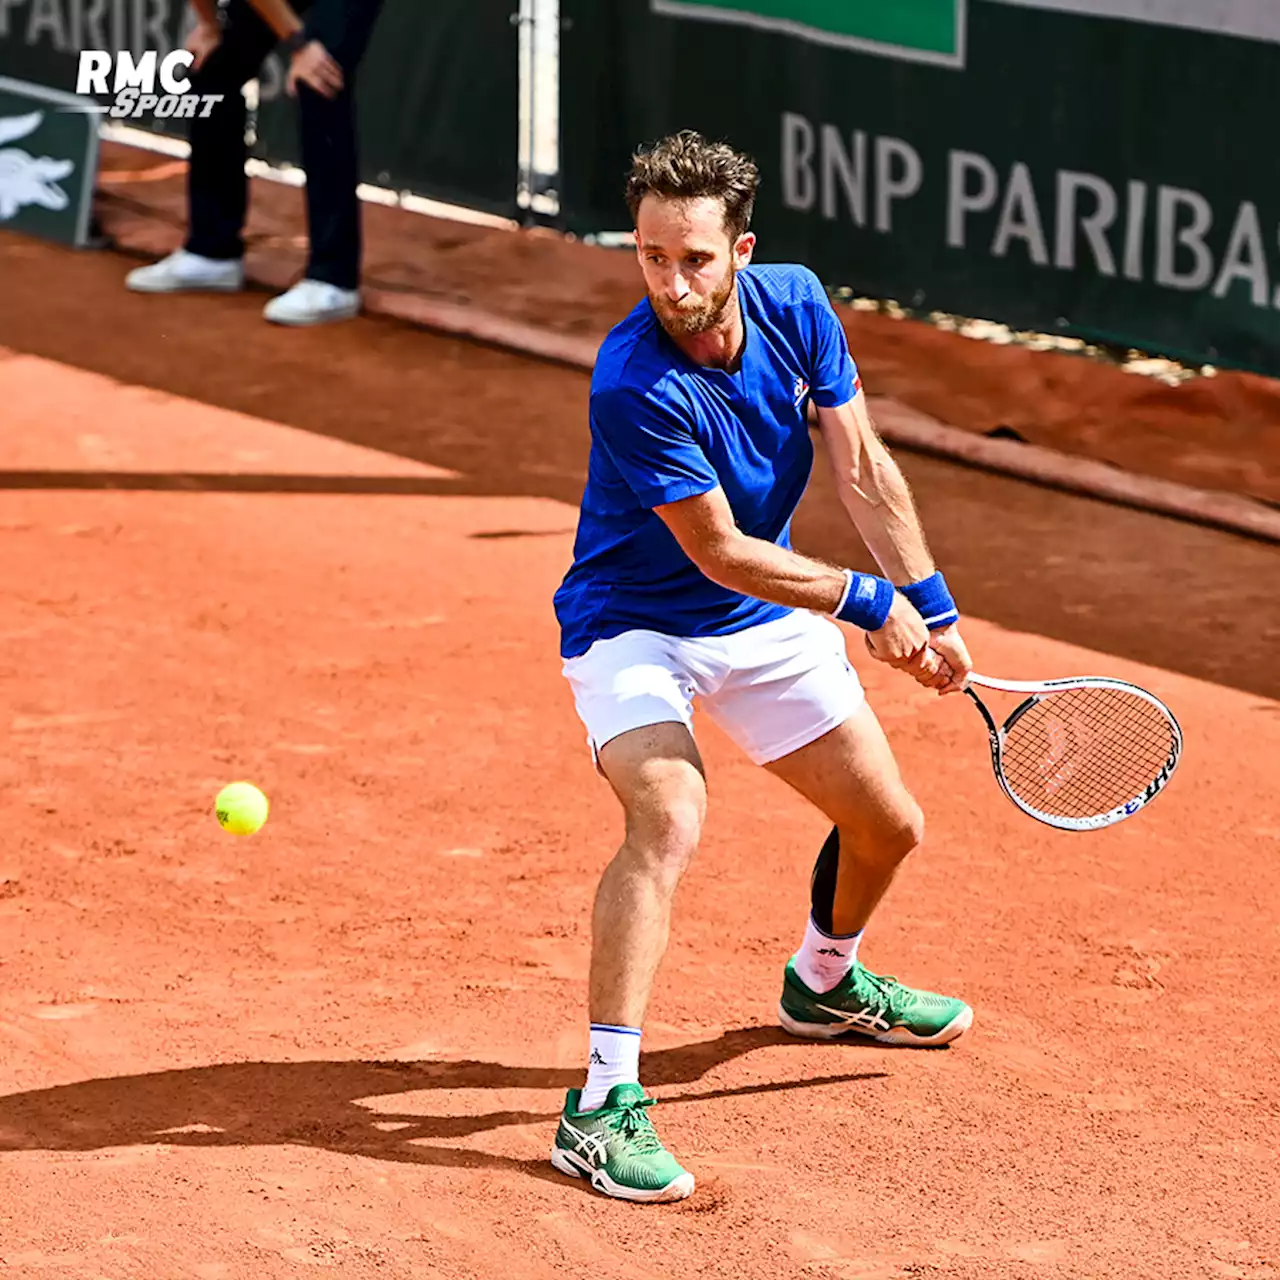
(342, 1106)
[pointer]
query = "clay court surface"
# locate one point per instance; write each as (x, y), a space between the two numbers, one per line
(324, 561)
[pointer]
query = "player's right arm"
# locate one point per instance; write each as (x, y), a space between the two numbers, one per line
(704, 527)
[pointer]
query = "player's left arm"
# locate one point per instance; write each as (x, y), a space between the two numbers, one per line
(876, 495)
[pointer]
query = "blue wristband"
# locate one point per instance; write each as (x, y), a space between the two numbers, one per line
(867, 601)
(933, 601)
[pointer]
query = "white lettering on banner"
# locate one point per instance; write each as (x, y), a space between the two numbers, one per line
(153, 26)
(797, 162)
(46, 16)
(69, 26)
(1020, 218)
(95, 33)
(851, 172)
(959, 201)
(1245, 258)
(5, 6)
(1170, 237)
(1094, 224)
(889, 188)
(1135, 230)
(899, 171)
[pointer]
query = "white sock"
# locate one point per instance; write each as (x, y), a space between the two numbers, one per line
(823, 960)
(615, 1059)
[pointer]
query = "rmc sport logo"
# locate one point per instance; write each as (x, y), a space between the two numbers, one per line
(134, 84)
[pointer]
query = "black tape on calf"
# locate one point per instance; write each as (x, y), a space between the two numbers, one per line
(822, 888)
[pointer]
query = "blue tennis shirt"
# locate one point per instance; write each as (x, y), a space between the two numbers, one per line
(664, 428)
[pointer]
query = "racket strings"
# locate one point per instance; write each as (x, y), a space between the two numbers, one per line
(1084, 752)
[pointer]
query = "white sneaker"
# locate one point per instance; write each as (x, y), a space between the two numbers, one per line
(313, 302)
(182, 271)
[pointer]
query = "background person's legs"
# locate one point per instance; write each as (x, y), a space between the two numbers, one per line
(329, 157)
(217, 188)
(329, 145)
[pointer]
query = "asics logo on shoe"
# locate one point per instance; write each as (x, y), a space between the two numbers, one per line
(868, 1018)
(597, 1058)
(587, 1145)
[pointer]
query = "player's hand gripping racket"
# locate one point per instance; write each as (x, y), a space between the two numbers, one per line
(1083, 753)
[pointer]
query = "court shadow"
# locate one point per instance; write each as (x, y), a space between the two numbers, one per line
(223, 482)
(349, 1106)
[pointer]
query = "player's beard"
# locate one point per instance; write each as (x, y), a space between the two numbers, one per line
(687, 321)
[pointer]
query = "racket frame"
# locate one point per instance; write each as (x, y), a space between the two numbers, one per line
(1038, 689)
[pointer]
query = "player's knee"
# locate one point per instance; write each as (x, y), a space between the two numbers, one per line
(891, 834)
(666, 836)
(904, 828)
(911, 832)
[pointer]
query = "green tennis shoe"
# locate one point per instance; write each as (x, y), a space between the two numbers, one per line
(617, 1149)
(865, 1004)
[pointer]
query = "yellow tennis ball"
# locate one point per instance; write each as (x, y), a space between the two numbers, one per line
(240, 808)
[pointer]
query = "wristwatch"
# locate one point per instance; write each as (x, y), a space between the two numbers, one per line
(292, 43)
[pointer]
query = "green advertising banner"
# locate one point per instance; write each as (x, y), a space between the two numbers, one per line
(48, 159)
(917, 30)
(438, 103)
(1094, 167)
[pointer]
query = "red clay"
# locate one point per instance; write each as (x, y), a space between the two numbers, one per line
(323, 561)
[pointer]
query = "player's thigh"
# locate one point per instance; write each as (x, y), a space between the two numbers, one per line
(851, 775)
(658, 776)
(634, 693)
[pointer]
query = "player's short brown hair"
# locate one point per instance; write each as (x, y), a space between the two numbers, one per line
(685, 166)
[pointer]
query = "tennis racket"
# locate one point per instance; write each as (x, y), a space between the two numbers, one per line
(1082, 753)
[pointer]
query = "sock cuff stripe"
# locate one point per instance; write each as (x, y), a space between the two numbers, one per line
(835, 937)
(622, 1031)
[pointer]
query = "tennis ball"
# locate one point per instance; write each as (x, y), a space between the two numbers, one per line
(240, 808)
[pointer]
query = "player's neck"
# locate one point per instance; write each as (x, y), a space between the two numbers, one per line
(721, 347)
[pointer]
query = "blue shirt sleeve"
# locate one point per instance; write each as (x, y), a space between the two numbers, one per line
(652, 446)
(833, 378)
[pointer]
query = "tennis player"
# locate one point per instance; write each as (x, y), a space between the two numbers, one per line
(684, 585)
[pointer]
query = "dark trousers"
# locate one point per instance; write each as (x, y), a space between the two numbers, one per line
(217, 189)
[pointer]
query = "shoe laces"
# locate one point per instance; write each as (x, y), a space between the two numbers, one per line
(886, 988)
(632, 1123)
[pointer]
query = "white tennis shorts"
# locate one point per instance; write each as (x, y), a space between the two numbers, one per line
(773, 688)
